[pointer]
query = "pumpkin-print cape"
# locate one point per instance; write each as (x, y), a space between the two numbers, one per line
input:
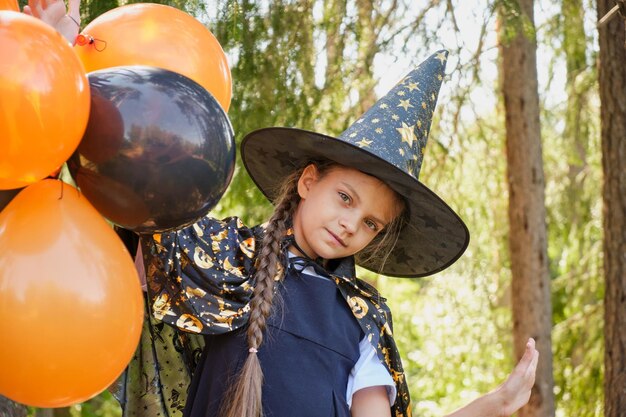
(200, 280)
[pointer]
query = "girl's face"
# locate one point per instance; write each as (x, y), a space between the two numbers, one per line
(341, 211)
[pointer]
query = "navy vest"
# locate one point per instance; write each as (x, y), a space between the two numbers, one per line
(310, 346)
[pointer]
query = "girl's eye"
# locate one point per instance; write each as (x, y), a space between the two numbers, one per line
(372, 225)
(345, 197)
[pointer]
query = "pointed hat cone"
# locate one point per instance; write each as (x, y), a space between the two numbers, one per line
(388, 142)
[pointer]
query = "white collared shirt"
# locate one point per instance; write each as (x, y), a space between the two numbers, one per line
(368, 370)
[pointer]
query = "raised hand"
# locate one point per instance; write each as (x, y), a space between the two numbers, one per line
(515, 391)
(509, 397)
(54, 13)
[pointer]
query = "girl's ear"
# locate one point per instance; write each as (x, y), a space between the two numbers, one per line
(309, 176)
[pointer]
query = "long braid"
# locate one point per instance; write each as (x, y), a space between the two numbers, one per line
(244, 399)
(245, 395)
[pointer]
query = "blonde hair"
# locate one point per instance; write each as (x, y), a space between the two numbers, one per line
(245, 394)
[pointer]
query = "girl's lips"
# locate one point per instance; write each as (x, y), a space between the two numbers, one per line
(341, 242)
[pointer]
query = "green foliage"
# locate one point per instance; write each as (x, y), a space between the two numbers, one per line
(574, 205)
(274, 57)
(94, 8)
(272, 82)
(454, 329)
(515, 21)
(103, 405)
(575, 251)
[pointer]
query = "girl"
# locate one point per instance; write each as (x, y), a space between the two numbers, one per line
(288, 329)
(292, 330)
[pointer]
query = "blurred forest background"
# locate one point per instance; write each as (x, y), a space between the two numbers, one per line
(318, 64)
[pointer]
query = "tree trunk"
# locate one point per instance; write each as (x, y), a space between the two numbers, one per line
(612, 79)
(335, 76)
(10, 408)
(366, 51)
(62, 412)
(531, 303)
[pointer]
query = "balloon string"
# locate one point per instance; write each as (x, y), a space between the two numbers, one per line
(61, 197)
(74, 20)
(85, 39)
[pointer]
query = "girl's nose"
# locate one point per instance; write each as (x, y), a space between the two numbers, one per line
(349, 223)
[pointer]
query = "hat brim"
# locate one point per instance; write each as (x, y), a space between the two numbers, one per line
(435, 236)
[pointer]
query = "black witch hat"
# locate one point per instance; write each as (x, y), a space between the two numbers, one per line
(387, 142)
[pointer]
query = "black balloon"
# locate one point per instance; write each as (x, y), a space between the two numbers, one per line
(158, 152)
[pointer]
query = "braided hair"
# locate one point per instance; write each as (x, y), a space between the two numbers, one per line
(244, 399)
(245, 394)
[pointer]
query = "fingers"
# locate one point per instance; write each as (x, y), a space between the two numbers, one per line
(526, 359)
(527, 366)
(74, 8)
(525, 369)
(532, 367)
(35, 8)
(38, 7)
(48, 11)
(532, 353)
(27, 11)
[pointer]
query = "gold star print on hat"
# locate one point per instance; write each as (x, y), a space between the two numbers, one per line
(388, 142)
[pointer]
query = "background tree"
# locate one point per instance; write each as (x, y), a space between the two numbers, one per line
(532, 312)
(9, 408)
(612, 80)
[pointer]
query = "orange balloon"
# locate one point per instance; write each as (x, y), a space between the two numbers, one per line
(44, 100)
(71, 306)
(9, 5)
(159, 36)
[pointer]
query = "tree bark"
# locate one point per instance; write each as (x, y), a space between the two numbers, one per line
(62, 412)
(335, 76)
(612, 80)
(10, 408)
(531, 303)
(366, 51)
